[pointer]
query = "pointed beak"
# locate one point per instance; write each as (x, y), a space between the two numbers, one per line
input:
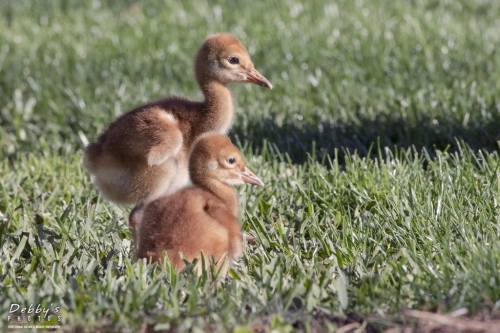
(255, 77)
(249, 177)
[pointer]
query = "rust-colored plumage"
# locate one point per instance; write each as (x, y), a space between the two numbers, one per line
(144, 153)
(202, 217)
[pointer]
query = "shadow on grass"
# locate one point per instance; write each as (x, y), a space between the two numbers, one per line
(323, 138)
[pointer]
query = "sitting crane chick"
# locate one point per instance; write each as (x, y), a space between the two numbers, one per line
(202, 217)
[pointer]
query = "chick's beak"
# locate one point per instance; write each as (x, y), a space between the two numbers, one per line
(249, 177)
(255, 77)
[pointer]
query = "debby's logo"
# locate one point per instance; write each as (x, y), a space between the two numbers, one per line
(33, 313)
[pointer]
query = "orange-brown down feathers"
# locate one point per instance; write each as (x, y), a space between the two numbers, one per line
(202, 217)
(144, 153)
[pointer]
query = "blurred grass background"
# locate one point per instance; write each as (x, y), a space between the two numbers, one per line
(346, 74)
(412, 85)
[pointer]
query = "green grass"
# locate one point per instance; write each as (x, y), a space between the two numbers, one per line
(378, 147)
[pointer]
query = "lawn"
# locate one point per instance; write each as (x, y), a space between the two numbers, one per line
(378, 146)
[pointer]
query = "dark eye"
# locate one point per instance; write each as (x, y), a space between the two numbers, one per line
(231, 160)
(234, 60)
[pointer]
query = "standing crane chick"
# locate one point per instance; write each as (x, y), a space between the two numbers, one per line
(144, 153)
(202, 217)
